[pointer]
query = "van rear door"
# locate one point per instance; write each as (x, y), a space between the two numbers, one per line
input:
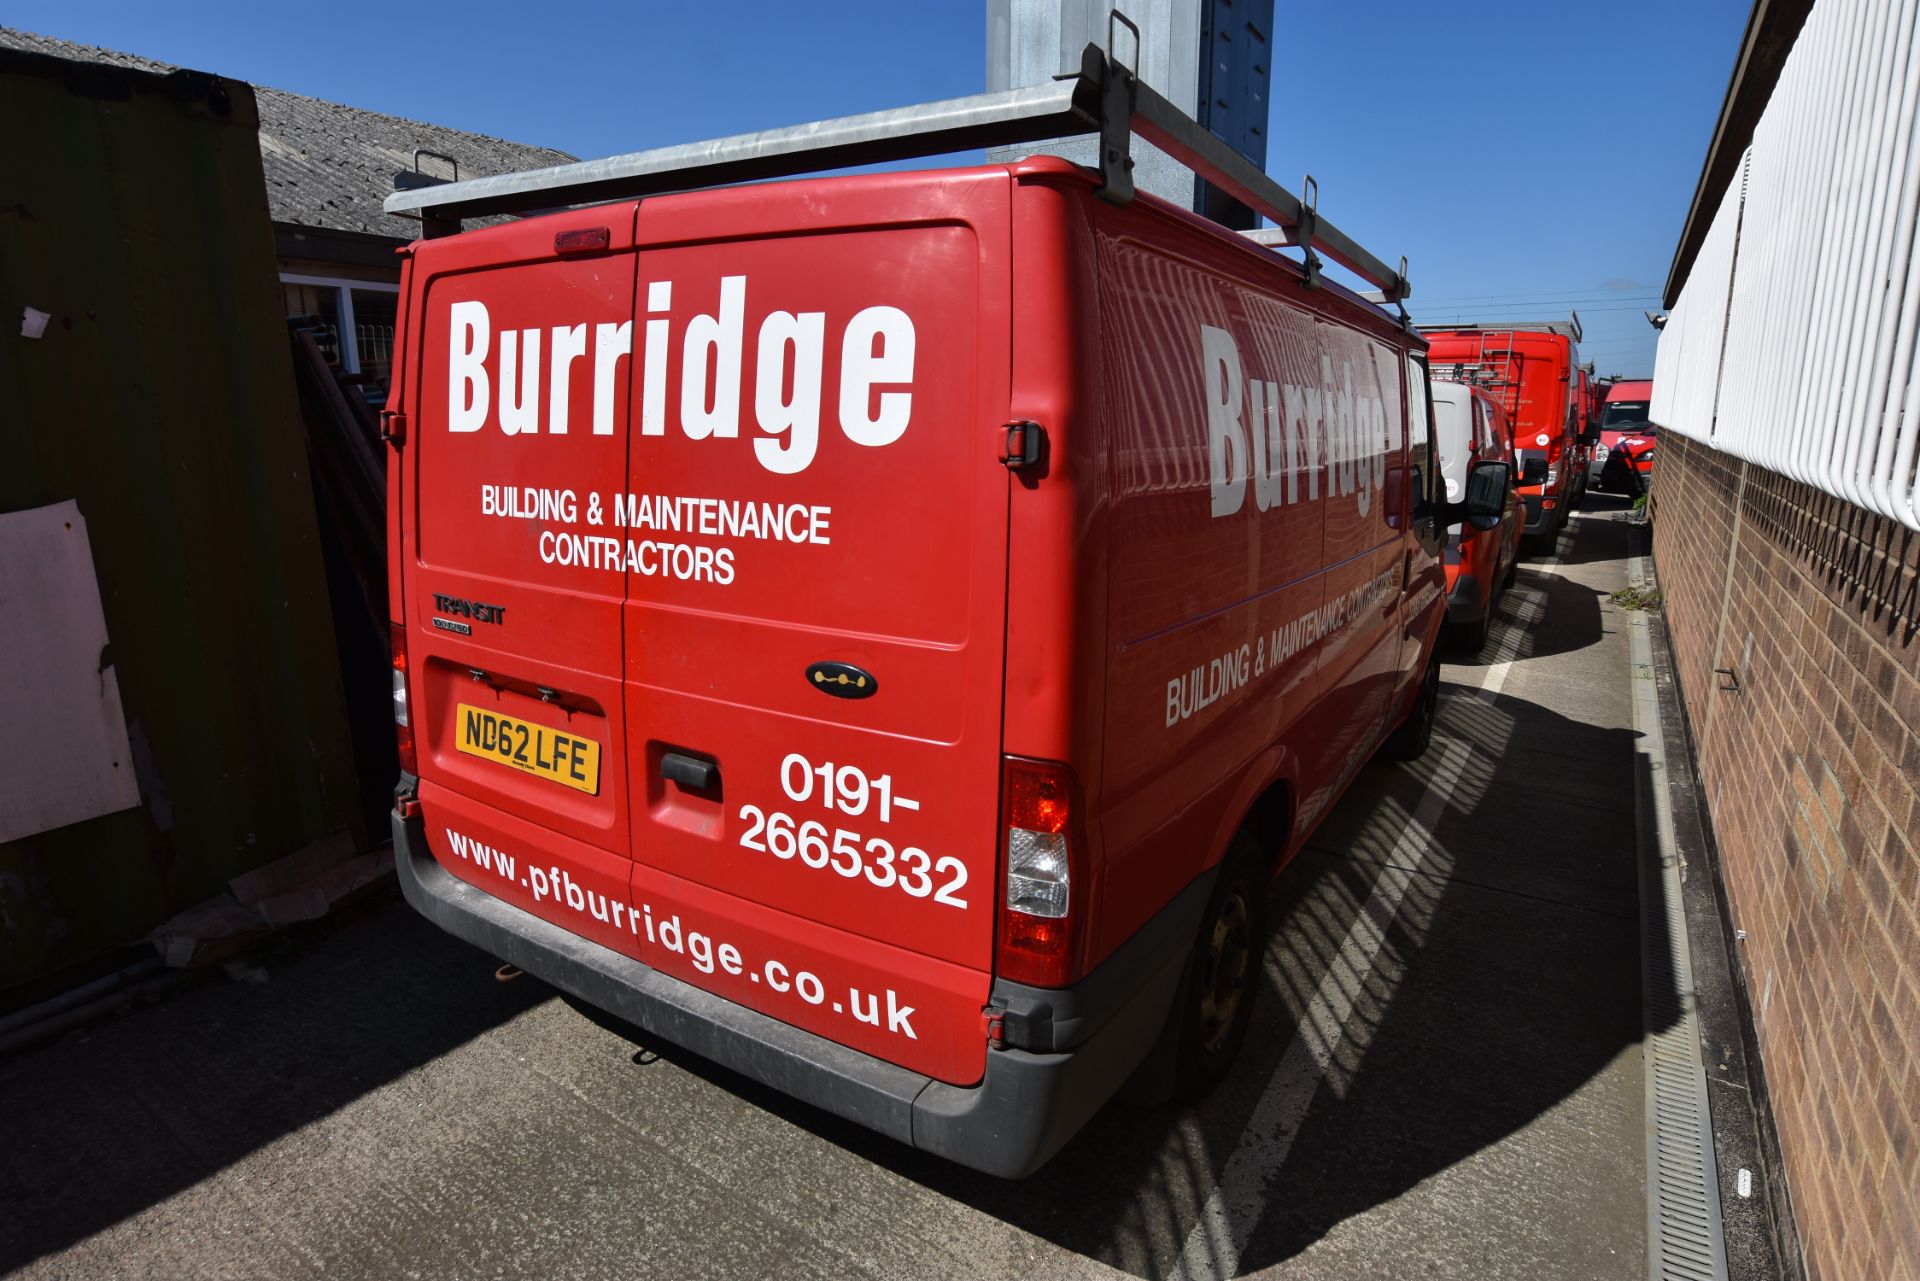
(815, 523)
(516, 405)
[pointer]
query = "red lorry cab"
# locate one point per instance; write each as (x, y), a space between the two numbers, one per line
(1532, 370)
(881, 632)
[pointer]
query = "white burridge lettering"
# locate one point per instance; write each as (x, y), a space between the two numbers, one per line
(653, 376)
(520, 394)
(611, 344)
(1226, 442)
(1271, 435)
(469, 329)
(878, 350)
(865, 367)
(713, 350)
(795, 416)
(569, 344)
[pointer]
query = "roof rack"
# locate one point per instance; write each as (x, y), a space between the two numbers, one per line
(1105, 98)
(1568, 328)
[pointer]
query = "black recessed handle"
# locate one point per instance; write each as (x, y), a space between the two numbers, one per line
(690, 772)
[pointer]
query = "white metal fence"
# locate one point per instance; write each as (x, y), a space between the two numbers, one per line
(1793, 343)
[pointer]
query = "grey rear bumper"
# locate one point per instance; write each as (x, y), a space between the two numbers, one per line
(1089, 1037)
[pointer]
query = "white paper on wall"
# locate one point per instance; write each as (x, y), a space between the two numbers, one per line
(64, 755)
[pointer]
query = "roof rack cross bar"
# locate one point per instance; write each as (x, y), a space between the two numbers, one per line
(1105, 99)
(1568, 328)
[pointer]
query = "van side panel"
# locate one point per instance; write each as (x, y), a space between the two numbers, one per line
(1251, 434)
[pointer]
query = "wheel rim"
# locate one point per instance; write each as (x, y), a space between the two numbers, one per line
(1223, 984)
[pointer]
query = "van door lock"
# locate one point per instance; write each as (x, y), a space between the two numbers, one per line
(1024, 442)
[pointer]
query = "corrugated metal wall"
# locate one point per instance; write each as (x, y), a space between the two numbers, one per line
(160, 398)
(1810, 277)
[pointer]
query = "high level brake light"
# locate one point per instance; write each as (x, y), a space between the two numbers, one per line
(402, 725)
(1039, 931)
(581, 240)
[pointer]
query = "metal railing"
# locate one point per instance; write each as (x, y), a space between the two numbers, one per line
(1793, 344)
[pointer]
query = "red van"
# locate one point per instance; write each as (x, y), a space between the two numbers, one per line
(1586, 408)
(1532, 370)
(1469, 428)
(882, 633)
(1624, 457)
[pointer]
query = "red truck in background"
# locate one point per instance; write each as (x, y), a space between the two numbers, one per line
(1532, 370)
(1623, 460)
(883, 632)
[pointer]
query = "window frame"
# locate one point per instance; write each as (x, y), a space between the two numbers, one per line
(343, 288)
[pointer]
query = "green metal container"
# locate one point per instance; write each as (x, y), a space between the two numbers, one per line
(160, 398)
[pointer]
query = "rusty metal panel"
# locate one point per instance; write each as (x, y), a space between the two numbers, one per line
(158, 395)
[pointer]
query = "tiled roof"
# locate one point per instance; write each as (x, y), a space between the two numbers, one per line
(329, 165)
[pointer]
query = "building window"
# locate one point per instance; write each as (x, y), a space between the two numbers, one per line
(360, 316)
(374, 314)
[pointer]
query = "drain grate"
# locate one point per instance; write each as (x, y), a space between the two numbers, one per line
(1685, 1241)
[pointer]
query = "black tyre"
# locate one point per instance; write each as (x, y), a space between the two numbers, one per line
(1410, 741)
(1471, 638)
(1216, 999)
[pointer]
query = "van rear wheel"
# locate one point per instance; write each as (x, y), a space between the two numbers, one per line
(1216, 1001)
(1409, 742)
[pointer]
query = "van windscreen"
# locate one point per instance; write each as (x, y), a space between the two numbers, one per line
(1621, 414)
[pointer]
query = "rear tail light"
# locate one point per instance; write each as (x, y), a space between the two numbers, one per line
(402, 719)
(1039, 924)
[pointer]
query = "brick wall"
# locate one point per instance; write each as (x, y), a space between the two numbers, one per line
(1809, 752)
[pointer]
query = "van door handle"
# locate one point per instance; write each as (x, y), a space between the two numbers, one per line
(690, 772)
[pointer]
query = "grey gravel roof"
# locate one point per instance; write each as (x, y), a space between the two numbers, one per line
(329, 165)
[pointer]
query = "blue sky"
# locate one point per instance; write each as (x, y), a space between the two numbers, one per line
(1526, 157)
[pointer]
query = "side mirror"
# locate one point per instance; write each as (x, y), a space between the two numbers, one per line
(1533, 471)
(1487, 486)
(1486, 503)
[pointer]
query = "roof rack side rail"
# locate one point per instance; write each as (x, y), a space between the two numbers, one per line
(1091, 102)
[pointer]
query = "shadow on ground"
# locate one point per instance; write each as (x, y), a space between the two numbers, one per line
(107, 1123)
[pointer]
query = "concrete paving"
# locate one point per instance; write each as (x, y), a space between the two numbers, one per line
(1443, 1077)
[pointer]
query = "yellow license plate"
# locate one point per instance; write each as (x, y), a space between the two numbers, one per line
(533, 749)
